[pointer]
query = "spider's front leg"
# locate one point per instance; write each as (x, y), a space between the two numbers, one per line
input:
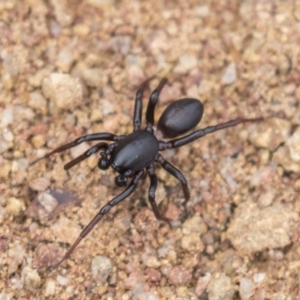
(85, 155)
(152, 103)
(104, 210)
(86, 138)
(138, 106)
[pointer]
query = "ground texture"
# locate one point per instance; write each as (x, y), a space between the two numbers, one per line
(70, 68)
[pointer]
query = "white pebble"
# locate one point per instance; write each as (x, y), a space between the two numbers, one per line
(7, 117)
(93, 77)
(186, 63)
(37, 101)
(4, 145)
(49, 287)
(246, 288)
(259, 277)
(62, 280)
(30, 278)
(4, 296)
(101, 268)
(230, 74)
(63, 90)
(39, 184)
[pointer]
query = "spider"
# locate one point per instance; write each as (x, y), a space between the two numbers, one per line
(134, 154)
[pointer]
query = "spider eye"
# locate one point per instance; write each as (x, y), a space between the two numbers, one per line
(103, 163)
(121, 180)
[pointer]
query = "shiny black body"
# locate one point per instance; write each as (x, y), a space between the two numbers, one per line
(134, 154)
(180, 117)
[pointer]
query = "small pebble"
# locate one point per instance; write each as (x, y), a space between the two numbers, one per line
(186, 63)
(202, 284)
(194, 224)
(5, 169)
(65, 59)
(220, 287)
(7, 117)
(293, 144)
(62, 280)
(260, 294)
(93, 77)
(42, 207)
(192, 242)
(30, 278)
(4, 296)
(230, 261)
(266, 198)
(63, 90)
(17, 256)
(179, 275)
(151, 261)
(4, 145)
(172, 212)
(270, 133)
(61, 14)
(8, 135)
(282, 157)
(49, 287)
(152, 275)
(48, 202)
(259, 277)
(81, 29)
(45, 255)
(230, 74)
(134, 281)
(22, 163)
(246, 289)
(39, 184)
(101, 268)
(254, 229)
(37, 101)
(14, 206)
(202, 11)
(38, 141)
(297, 185)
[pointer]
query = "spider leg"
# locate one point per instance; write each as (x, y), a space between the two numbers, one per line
(104, 210)
(90, 137)
(177, 174)
(152, 189)
(202, 132)
(152, 103)
(138, 106)
(85, 155)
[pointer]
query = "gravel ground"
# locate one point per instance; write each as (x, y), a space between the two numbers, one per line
(70, 68)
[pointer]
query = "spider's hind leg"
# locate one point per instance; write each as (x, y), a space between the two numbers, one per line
(177, 174)
(152, 189)
(103, 211)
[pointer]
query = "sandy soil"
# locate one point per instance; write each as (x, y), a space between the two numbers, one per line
(71, 68)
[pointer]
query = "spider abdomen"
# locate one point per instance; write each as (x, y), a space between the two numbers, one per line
(180, 117)
(135, 152)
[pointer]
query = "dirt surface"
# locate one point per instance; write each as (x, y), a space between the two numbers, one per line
(70, 68)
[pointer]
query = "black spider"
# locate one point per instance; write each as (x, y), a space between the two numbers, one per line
(133, 154)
